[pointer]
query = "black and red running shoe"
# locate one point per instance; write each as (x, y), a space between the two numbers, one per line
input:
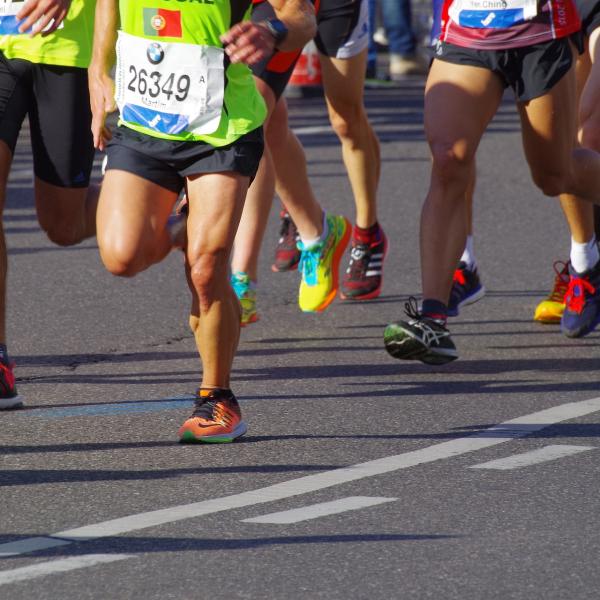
(287, 254)
(363, 279)
(8, 390)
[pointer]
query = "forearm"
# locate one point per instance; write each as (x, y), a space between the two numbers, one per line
(299, 18)
(105, 37)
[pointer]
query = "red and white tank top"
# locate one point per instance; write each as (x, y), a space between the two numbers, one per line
(504, 24)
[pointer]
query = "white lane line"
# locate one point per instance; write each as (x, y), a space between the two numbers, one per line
(31, 545)
(499, 434)
(322, 509)
(534, 457)
(58, 566)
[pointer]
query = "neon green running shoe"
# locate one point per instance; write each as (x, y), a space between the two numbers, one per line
(244, 290)
(319, 266)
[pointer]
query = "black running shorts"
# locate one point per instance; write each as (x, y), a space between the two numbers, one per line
(531, 71)
(167, 163)
(342, 32)
(56, 99)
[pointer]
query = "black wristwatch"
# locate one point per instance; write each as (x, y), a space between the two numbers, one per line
(277, 29)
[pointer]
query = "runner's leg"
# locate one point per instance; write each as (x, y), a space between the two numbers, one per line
(131, 225)
(257, 206)
(67, 215)
(215, 315)
(549, 131)
(60, 119)
(452, 91)
(343, 80)
(5, 163)
(292, 183)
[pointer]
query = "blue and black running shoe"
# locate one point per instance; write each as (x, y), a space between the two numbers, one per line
(582, 303)
(466, 289)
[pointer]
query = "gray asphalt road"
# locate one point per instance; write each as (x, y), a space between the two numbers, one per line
(373, 456)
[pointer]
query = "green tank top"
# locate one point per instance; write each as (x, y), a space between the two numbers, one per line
(173, 79)
(70, 46)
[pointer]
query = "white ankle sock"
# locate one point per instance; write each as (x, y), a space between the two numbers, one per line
(309, 243)
(468, 256)
(584, 256)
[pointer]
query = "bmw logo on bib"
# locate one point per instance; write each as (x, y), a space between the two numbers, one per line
(155, 53)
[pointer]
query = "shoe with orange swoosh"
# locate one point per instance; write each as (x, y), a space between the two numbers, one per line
(216, 419)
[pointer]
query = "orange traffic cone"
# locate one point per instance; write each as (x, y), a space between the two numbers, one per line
(306, 78)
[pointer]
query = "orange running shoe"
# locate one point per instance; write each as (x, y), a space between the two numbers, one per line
(216, 419)
(551, 309)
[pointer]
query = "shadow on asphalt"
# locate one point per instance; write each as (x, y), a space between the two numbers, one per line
(164, 544)
(11, 478)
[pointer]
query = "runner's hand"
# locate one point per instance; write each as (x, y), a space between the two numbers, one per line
(102, 100)
(40, 14)
(248, 43)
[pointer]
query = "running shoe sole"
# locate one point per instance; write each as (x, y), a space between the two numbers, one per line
(251, 320)
(478, 295)
(187, 437)
(338, 253)
(581, 332)
(8, 403)
(412, 348)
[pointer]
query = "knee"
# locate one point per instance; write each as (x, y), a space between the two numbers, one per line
(451, 162)
(550, 183)
(349, 122)
(207, 272)
(118, 260)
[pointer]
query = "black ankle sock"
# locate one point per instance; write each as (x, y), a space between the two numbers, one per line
(434, 309)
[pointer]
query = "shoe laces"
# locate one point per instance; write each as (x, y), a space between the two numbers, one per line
(431, 336)
(240, 282)
(211, 408)
(575, 294)
(309, 262)
(411, 308)
(561, 282)
(359, 258)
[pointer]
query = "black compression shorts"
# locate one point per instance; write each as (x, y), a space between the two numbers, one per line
(342, 32)
(56, 99)
(167, 163)
(531, 71)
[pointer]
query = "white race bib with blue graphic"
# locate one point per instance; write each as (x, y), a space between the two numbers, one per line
(492, 14)
(171, 88)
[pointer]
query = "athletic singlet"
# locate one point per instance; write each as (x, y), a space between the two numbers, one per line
(173, 79)
(69, 46)
(504, 24)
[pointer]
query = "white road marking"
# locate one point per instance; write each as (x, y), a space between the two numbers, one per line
(322, 509)
(534, 457)
(499, 434)
(21, 174)
(31, 545)
(61, 565)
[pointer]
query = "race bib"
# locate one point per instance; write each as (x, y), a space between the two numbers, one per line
(492, 14)
(171, 88)
(8, 21)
